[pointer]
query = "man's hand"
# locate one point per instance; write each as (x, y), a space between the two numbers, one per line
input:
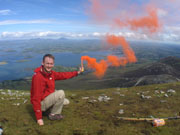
(81, 69)
(40, 122)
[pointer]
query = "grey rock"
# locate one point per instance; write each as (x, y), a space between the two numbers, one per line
(163, 101)
(162, 92)
(121, 111)
(92, 101)
(104, 98)
(171, 91)
(121, 104)
(85, 98)
(145, 97)
(156, 91)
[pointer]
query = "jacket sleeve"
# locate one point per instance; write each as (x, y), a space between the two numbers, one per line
(36, 94)
(65, 75)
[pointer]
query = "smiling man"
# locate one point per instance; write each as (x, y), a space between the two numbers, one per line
(43, 94)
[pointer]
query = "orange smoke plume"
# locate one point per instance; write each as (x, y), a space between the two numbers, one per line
(100, 14)
(149, 22)
(101, 67)
(120, 41)
(116, 61)
(108, 12)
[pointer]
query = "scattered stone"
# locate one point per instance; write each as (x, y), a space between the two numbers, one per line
(92, 101)
(100, 98)
(148, 97)
(171, 91)
(3, 93)
(117, 93)
(142, 96)
(9, 91)
(144, 92)
(73, 96)
(17, 104)
(121, 111)
(151, 116)
(166, 95)
(121, 104)
(138, 93)
(162, 92)
(25, 101)
(104, 98)
(163, 101)
(85, 98)
(122, 95)
(156, 91)
(145, 97)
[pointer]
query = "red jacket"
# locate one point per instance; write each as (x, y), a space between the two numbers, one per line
(43, 84)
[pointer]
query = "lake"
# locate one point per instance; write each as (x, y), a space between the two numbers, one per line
(20, 66)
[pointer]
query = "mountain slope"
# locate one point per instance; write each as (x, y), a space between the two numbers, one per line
(164, 71)
(90, 114)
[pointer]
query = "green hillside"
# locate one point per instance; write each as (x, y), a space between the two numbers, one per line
(95, 112)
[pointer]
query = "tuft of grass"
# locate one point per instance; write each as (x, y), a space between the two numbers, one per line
(89, 116)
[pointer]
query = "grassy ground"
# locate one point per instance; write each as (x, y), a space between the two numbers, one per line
(92, 117)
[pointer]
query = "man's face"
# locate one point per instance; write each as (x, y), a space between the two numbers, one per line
(48, 64)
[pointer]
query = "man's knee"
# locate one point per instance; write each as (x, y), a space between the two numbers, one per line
(60, 94)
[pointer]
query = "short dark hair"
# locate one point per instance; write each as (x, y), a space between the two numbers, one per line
(48, 55)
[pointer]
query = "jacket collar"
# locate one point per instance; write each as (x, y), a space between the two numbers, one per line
(42, 71)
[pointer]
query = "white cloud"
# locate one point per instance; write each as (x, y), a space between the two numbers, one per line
(46, 34)
(9, 22)
(5, 12)
(168, 37)
(163, 36)
(54, 35)
(97, 34)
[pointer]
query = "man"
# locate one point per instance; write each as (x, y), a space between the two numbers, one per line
(43, 94)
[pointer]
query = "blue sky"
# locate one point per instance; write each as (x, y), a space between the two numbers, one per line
(21, 19)
(42, 15)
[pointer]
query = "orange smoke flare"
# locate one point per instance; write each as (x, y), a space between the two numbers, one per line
(103, 11)
(100, 68)
(149, 22)
(107, 13)
(116, 61)
(120, 41)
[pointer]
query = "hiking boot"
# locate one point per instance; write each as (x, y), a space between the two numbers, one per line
(55, 117)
